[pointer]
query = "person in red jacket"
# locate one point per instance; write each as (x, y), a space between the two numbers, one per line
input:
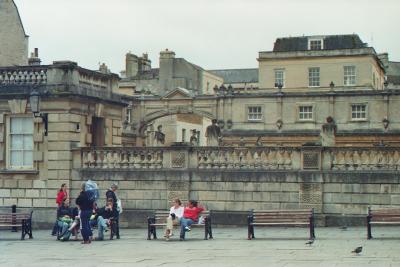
(190, 216)
(61, 196)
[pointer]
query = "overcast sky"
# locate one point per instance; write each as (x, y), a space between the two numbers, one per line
(214, 34)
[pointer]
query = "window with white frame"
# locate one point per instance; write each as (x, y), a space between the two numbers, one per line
(349, 75)
(306, 113)
(254, 113)
(279, 77)
(20, 145)
(358, 112)
(315, 44)
(313, 77)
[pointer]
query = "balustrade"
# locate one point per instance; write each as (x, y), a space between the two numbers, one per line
(242, 158)
(365, 159)
(121, 158)
(23, 75)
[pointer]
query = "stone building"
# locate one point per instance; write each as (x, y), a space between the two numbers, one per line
(304, 81)
(175, 77)
(77, 109)
(13, 41)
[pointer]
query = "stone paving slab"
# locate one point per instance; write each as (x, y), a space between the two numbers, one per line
(272, 247)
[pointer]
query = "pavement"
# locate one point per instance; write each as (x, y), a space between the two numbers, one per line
(230, 247)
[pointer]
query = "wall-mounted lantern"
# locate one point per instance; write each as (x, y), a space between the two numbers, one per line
(34, 101)
(385, 123)
(279, 124)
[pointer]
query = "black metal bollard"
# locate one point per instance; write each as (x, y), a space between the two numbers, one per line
(14, 218)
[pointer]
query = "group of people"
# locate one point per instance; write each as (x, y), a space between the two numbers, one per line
(86, 215)
(183, 216)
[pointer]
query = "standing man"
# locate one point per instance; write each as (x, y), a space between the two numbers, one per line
(111, 194)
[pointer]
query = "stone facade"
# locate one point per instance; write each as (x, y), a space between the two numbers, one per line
(13, 41)
(79, 110)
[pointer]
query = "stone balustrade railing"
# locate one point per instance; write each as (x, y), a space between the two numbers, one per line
(378, 158)
(118, 158)
(240, 158)
(25, 75)
(266, 158)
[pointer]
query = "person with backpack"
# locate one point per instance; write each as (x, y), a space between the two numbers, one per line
(111, 194)
(86, 204)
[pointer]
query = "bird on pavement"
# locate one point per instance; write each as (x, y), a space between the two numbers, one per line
(357, 250)
(343, 228)
(310, 242)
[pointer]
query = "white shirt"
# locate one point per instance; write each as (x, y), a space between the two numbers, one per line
(178, 212)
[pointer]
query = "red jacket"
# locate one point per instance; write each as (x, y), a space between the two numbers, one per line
(192, 213)
(61, 195)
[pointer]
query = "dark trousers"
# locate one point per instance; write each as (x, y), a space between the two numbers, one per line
(86, 230)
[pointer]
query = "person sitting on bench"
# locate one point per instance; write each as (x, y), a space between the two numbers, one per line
(103, 217)
(175, 215)
(190, 216)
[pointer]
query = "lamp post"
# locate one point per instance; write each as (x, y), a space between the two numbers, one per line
(34, 101)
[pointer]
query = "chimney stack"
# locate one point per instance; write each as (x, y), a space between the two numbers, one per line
(34, 60)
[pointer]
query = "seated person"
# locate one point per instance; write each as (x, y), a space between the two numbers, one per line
(65, 217)
(190, 216)
(175, 215)
(103, 217)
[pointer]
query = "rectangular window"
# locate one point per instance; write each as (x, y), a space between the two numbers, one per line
(279, 78)
(349, 75)
(315, 44)
(305, 113)
(254, 113)
(313, 77)
(21, 143)
(358, 112)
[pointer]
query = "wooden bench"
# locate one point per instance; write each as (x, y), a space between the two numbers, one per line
(289, 218)
(389, 216)
(17, 220)
(158, 219)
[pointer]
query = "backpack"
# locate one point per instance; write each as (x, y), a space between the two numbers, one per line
(92, 190)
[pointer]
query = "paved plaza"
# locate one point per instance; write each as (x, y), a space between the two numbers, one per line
(272, 247)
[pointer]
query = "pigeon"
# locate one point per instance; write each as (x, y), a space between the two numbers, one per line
(310, 242)
(343, 228)
(357, 250)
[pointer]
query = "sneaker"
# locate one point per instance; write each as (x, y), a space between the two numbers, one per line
(187, 229)
(171, 234)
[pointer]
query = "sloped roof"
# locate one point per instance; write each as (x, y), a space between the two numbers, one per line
(237, 75)
(331, 42)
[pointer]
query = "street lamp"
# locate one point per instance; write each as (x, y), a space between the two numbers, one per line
(34, 101)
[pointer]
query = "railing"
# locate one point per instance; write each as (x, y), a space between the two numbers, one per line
(25, 75)
(117, 158)
(60, 73)
(267, 158)
(365, 158)
(240, 158)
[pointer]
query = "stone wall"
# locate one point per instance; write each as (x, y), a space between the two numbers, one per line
(337, 196)
(13, 41)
